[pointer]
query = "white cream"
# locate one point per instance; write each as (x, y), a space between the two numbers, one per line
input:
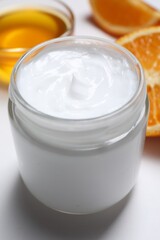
(77, 82)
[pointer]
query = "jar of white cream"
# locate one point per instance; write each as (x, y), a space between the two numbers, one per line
(78, 111)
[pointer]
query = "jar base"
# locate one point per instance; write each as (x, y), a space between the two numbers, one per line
(113, 209)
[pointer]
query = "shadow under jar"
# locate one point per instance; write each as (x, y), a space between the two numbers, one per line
(79, 165)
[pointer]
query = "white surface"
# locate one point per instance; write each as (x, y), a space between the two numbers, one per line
(23, 218)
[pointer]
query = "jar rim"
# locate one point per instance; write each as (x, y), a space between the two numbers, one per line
(16, 96)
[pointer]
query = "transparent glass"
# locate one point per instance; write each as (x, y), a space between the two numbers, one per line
(79, 166)
(9, 56)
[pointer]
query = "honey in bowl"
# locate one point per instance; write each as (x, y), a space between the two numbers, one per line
(24, 28)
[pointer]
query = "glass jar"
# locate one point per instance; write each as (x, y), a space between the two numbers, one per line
(79, 166)
(10, 46)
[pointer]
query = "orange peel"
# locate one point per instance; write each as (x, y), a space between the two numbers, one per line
(121, 17)
(145, 45)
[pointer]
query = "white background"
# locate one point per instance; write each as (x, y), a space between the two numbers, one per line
(23, 218)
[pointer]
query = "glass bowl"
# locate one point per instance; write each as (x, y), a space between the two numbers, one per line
(22, 31)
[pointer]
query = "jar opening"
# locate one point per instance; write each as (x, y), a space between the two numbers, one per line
(138, 97)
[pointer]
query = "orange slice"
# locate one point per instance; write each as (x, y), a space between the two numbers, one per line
(145, 45)
(119, 17)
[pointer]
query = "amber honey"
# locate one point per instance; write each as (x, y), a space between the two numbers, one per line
(23, 29)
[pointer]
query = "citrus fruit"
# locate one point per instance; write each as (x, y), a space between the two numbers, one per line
(121, 17)
(145, 45)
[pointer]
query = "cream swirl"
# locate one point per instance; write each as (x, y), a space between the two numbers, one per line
(77, 82)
